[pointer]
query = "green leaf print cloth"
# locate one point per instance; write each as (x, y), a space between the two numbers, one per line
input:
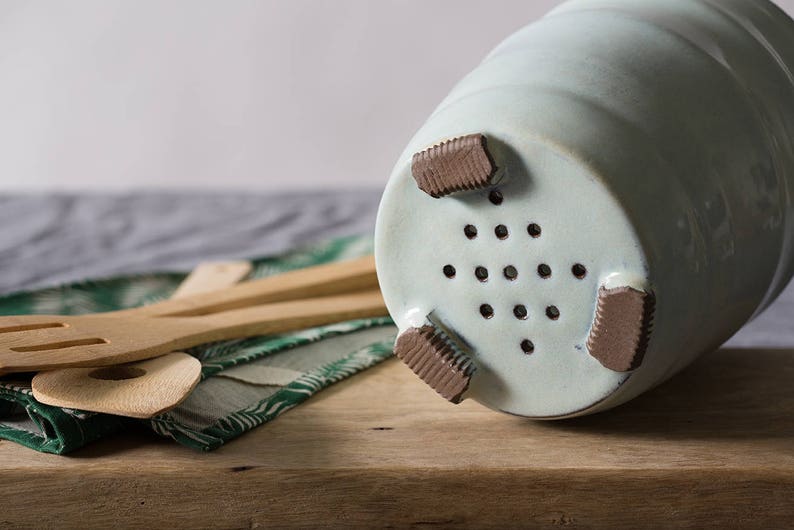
(245, 383)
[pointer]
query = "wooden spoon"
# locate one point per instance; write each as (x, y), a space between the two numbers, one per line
(136, 390)
(142, 389)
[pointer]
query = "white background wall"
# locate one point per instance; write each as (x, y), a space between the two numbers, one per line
(271, 94)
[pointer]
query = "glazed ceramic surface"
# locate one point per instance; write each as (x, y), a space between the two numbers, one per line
(641, 144)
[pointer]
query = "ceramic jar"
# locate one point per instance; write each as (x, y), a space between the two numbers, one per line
(607, 196)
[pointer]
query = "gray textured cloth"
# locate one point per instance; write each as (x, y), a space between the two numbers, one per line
(50, 239)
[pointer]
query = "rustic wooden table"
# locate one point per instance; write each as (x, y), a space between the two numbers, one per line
(713, 447)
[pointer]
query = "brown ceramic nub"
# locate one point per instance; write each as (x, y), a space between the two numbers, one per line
(460, 164)
(433, 357)
(622, 327)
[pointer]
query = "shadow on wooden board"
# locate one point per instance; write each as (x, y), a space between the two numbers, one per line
(727, 394)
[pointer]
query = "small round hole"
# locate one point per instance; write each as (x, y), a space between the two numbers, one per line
(579, 270)
(544, 271)
(470, 231)
(552, 312)
(481, 273)
(449, 271)
(501, 232)
(534, 230)
(486, 311)
(527, 346)
(496, 197)
(520, 312)
(510, 272)
(117, 373)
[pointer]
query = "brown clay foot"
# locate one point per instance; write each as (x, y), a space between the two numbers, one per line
(621, 328)
(460, 164)
(429, 352)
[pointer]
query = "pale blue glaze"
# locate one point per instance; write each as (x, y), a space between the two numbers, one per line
(668, 126)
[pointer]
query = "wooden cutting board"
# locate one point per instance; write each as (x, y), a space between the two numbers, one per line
(713, 447)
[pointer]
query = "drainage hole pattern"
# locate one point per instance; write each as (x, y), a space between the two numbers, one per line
(501, 231)
(520, 311)
(510, 272)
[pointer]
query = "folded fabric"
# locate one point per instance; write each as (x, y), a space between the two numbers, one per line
(245, 383)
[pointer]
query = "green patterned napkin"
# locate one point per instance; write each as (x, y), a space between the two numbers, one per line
(245, 383)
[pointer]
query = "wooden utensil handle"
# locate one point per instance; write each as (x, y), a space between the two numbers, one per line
(212, 276)
(322, 280)
(283, 316)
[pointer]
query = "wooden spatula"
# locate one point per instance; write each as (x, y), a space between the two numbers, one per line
(50, 341)
(141, 389)
(45, 342)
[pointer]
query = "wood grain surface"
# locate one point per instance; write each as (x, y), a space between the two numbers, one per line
(712, 448)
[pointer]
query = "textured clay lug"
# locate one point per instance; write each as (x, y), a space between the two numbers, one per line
(621, 328)
(430, 354)
(460, 164)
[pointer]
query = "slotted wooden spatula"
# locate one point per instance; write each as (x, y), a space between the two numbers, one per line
(141, 389)
(46, 342)
(37, 342)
